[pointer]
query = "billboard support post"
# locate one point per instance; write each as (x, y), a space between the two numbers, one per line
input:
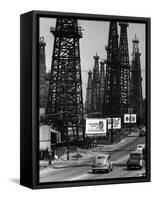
(130, 123)
(130, 118)
(111, 130)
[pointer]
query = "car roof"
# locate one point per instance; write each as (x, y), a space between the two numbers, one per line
(141, 145)
(103, 155)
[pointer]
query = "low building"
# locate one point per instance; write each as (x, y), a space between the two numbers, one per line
(47, 137)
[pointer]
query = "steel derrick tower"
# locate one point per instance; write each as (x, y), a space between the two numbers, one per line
(136, 97)
(42, 76)
(102, 82)
(124, 67)
(96, 86)
(65, 86)
(111, 105)
(88, 103)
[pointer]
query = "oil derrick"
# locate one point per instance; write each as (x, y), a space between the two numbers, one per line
(65, 85)
(48, 80)
(102, 82)
(42, 77)
(89, 93)
(111, 105)
(96, 86)
(124, 67)
(136, 98)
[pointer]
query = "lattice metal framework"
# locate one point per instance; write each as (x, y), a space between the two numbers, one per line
(65, 85)
(88, 103)
(111, 105)
(96, 86)
(102, 82)
(124, 67)
(42, 77)
(136, 97)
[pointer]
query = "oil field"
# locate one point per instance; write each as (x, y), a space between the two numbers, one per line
(92, 104)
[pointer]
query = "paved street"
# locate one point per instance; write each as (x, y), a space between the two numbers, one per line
(84, 172)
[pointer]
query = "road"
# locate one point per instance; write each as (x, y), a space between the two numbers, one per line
(84, 172)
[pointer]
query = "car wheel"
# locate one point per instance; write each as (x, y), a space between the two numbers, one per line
(108, 170)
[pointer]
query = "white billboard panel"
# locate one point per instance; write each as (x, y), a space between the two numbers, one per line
(96, 127)
(129, 118)
(116, 123)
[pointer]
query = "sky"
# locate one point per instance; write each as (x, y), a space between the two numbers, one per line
(95, 37)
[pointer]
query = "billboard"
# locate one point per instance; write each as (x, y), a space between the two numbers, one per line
(129, 118)
(96, 127)
(116, 123)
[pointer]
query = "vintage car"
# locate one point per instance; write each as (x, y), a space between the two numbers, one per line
(142, 131)
(135, 160)
(140, 147)
(102, 162)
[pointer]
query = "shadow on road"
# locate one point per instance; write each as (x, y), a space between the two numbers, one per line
(131, 169)
(98, 172)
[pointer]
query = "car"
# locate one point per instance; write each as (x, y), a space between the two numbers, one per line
(140, 147)
(102, 162)
(142, 131)
(135, 160)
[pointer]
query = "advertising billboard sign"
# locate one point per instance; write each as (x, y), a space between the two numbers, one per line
(116, 123)
(96, 127)
(129, 118)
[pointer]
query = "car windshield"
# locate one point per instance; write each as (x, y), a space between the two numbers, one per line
(135, 155)
(101, 157)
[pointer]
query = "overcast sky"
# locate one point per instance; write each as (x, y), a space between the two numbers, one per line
(95, 37)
